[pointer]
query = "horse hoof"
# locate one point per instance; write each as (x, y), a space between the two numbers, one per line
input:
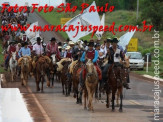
(74, 96)
(117, 105)
(107, 106)
(113, 110)
(120, 110)
(77, 102)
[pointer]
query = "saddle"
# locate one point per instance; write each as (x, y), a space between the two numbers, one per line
(83, 71)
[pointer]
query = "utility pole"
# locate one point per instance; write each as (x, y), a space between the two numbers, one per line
(137, 14)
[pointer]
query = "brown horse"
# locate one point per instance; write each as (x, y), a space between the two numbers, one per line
(41, 68)
(75, 81)
(117, 75)
(25, 64)
(64, 78)
(91, 83)
(52, 70)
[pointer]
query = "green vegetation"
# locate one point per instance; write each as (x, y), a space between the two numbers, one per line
(1, 58)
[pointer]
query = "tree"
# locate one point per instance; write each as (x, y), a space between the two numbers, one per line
(152, 10)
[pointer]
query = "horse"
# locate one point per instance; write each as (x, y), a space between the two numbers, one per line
(25, 64)
(64, 78)
(52, 70)
(75, 81)
(117, 75)
(91, 83)
(41, 68)
(13, 66)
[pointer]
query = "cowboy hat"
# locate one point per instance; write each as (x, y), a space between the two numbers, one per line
(53, 39)
(68, 47)
(91, 44)
(38, 39)
(109, 40)
(71, 43)
(115, 40)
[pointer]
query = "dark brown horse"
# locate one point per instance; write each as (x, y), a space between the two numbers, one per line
(64, 78)
(41, 68)
(75, 82)
(117, 76)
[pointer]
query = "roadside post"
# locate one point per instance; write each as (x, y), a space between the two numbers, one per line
(147, 62)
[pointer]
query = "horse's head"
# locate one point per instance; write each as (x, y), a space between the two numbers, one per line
(25, 62)
(53, 58)
(13, 56)
(90, 68)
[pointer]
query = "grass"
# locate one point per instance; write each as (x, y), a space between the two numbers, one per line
(150, 70)
(1, 58)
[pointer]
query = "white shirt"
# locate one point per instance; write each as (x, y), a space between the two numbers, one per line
(117, 59)
(102, 51)
(39, 50)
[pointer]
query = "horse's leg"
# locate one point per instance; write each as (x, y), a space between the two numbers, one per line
(91, 98)
(99, 90)
(42, 83)
(117, 99)
(89, 94)
(107, 99)
(53, 80)
(63, 88)
(113, 98)
(80, 97)
(85, 99)
(96, 92)
(66, 88)
(21, 75)
(121, 98)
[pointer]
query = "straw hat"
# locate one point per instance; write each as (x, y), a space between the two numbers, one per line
(59, 47)
(71, 43)
(68, 47)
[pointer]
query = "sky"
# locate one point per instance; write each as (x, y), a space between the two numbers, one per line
(42, 2)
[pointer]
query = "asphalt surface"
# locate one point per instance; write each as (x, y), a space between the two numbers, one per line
(53, 106)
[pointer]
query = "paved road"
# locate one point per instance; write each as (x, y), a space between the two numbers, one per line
(53, 106)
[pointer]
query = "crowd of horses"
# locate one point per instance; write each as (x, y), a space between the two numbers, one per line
(47, 69)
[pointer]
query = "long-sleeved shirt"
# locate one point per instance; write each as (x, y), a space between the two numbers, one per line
(24, 52)
(39, 50)
(82, 59)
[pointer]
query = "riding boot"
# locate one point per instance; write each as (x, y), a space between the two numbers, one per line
(126, 85)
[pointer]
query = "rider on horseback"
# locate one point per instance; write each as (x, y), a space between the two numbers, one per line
(11, 48)
(38, 48)
(24, 51)
(93, 55)
(52, 48)
(115, 54)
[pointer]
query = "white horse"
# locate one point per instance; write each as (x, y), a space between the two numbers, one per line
(13, 65)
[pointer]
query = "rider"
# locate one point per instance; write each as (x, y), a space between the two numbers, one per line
(38, 48)
(24, 51)
(52, 48)
(76, 52)
(11, 48)
(93, 55)
(114, 57)
(68, 52)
